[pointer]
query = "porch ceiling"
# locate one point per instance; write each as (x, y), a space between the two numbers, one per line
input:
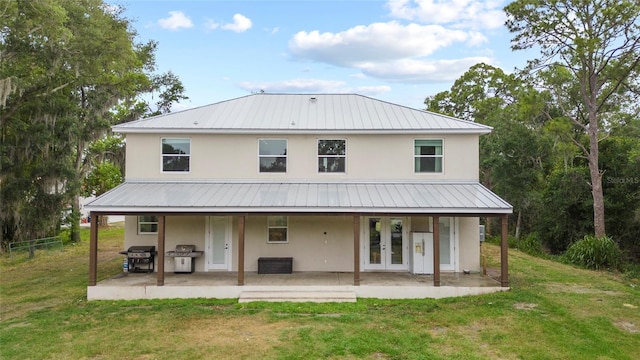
(300, 197)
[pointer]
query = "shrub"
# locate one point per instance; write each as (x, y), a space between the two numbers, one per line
(531, 245)
(594, 253)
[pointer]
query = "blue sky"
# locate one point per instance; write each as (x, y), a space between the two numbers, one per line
(399, 51)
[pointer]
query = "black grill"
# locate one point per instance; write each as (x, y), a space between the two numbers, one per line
(140, 259)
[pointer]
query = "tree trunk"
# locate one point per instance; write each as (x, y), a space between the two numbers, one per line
(518, 222)
(75, 224)
(594, 169)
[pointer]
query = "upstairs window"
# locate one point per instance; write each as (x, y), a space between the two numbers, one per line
(272, 155)
(176, 155)
(428, 156)
(147, 224)
(277, 227)
(332, 156)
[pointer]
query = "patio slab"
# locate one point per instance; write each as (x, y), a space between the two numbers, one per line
(388, 285)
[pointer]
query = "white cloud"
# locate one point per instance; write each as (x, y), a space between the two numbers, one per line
(177, 20)
(312, 86)
(421, 71)
(296, 86)
(211, 25)
(240, 24)
(375, 42)
(476, 14)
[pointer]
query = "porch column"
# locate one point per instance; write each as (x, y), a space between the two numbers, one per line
(356, 250)
(161, 232)
(241, 225)
(93, 250)
(504, 249)
(436, 251)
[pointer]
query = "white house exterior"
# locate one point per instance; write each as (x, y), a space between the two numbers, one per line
(337, 182)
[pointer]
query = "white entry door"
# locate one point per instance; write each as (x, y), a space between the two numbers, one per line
(447, 243)
(385, 244)
(218, 251)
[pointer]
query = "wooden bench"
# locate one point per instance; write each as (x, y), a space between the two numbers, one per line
(275, 265)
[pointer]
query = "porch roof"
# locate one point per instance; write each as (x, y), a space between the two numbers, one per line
(300, 197)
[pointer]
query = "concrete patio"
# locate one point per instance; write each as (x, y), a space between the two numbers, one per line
(299, 286)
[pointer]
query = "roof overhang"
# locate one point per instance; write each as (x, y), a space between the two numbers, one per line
(185, 131)
(189, 197)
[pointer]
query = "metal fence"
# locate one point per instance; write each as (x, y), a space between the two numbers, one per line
(32, 245)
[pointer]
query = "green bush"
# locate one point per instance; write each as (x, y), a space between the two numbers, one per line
(531, 245)
(594, 253)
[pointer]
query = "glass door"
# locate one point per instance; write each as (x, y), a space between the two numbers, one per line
(447, 242)
(385, 244)
(218, 252)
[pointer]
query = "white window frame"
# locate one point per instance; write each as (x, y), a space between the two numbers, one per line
(162, 155)
(285, 156)
(319, 156)
(435, 156)
(140, 232)
(269, 227)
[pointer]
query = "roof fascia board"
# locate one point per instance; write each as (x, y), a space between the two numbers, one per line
(486, 130)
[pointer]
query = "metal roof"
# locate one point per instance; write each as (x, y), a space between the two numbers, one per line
(300, 113)
(301, 197)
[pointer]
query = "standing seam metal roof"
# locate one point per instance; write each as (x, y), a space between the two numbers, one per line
(300, 113)
(392, 197)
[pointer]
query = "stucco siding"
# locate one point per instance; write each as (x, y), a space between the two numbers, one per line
(369, 157)
(316, 243)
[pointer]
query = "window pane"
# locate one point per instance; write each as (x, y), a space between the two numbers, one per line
(278, 235)
(175, 163)
(148, 228)
(334, 164)
(374, 242)
(273, 164)
(277, 221)
(429, 164)
(273, 147)
(148, 218)
(428, 147)
(331, 147)
(176, 146)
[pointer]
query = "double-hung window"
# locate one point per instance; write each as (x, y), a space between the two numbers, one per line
(147, 224)
(428, 156)
(277, 228)
(272, 155)
(176, 154)
(332, 155)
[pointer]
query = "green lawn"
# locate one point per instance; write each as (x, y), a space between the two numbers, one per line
(553, 312)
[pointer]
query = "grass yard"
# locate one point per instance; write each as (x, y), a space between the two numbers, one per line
(552, 312)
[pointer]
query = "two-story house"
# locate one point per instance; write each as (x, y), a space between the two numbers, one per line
(333, 182)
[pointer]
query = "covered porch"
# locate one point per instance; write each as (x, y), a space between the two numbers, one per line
(242, 201)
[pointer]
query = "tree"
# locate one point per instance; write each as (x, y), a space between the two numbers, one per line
(511, 157)
(68, 69)
(595, 46)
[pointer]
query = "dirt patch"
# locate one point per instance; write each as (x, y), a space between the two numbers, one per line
(237, 336)
(579, 289)
(627, 326)
(525, 306)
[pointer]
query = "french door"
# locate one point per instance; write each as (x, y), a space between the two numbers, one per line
(385, 243)
(447, 243)
(218, 248)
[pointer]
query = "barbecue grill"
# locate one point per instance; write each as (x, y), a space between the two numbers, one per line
(140, 258)
(184, 258)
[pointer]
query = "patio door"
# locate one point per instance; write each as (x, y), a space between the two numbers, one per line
(218, 248)
(385, 243)
(447, 243)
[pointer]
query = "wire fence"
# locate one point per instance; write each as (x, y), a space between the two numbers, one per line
(32, 245)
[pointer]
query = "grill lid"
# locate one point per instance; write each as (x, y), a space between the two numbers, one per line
(185, 250)
(141, 248)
